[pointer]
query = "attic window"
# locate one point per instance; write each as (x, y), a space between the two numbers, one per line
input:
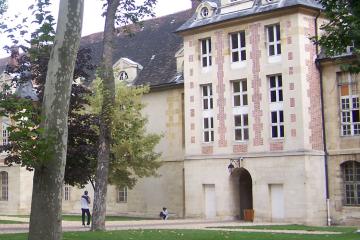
(123, 75)
(204, 12)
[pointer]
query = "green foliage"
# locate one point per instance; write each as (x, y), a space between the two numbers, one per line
(342, 29)
(132, 149)
(3, 6)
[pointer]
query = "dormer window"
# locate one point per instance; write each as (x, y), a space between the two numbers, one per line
(204, 12)
(123, 75)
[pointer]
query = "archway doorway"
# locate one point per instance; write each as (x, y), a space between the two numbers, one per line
(245, 197)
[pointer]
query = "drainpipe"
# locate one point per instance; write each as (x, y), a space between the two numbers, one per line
(318, 65)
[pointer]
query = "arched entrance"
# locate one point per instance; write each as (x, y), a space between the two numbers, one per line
(244, 182)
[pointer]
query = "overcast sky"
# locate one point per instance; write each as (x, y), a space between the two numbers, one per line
(93, 22)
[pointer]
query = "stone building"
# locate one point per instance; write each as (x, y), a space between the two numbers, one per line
(236, 90)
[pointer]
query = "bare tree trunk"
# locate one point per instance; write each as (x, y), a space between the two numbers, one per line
(107, 76)
(45, 219)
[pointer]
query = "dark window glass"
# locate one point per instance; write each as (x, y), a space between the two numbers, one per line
(238, 134)
(272, 82)
(210, 61)
(243, 55)
(234, 41)
(355, 115)
(209, 41)
(206, 105)
(235, 56)
(281, 116)
(271, 34)
(279, 48)
(211, 103)
(211, 122)
(246, 120)
(271, 50)
(206, 123)
(246, 134)
(281, 131)
(203, 46)
(205, 91)
(280, 95)
(280, 81)
(242, 39)
(204, 62)
(244, 86)
(278, 32)
(273, 96)
(245, 100)
(236, 100)
(206, 136)
(236, 87)
(274, 131)
(238, 121)
(274, 117)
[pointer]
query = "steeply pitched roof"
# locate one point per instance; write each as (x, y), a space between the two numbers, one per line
(153, 45)
(256, 9)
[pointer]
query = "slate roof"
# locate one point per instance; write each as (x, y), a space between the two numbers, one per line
(153, 46)
(258, 8)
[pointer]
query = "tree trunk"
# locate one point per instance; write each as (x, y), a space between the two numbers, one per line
(45, 218)
(107, 76)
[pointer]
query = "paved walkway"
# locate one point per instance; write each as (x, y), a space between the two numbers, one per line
(210, 225)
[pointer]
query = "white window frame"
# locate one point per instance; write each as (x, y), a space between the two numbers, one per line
(351, 183)
(4, 186)
(67, 192)
(278, 88)
(277, 42)
(208, 99)
(5, 134)
(209, 130)
(122, 195)
(207, 56)
(123, 75)
(242, 127)
(277, 106)
(240, 94)
(239, 49)
(348, 104)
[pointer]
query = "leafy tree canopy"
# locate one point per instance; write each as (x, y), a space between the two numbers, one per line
(132, 149)
(342, 29)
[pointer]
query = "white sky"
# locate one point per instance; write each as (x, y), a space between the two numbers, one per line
(93, 22)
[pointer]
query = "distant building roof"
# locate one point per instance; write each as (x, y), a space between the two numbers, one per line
(257, 8)
(153, 45)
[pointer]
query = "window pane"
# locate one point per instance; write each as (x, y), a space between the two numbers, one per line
(204, 62)
(206, 123)
(274, 132)
(236, 87)
(280, 95)
(282, 134)
(243, 55)
(272, 82)
(271, 33)
(246, 120)
(280, 81)
(205, 91)
(238, 135)
(211, 122)
(246, 134)
(206, 136)
(212, 136)
(245, 100)
(273, 96)
(274, 117)
(234, 41)
(271, 50)
(211, 103)
(244, 86)
(235, 56)
(279, 48)
(355, 116)
(242, 39)
(203, 46)
(206, 104)
(278, 32)
(210, 61)
(209, 41)
(281, 113)
(236, 101)
(237, 120)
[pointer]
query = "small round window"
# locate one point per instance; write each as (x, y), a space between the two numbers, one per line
(123, 75)
(204, 12)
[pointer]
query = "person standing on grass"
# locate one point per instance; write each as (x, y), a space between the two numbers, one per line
(85, 201)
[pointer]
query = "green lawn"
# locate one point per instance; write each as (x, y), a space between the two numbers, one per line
(188, 235)
(9, 222)
(298, 227)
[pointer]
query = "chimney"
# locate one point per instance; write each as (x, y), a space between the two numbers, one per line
(195, 4)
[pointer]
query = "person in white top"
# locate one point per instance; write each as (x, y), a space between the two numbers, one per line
(164, 214)
(85, 201)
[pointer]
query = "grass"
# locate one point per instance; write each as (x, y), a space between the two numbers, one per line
(9, 222)
(188, 235)
(298, 227)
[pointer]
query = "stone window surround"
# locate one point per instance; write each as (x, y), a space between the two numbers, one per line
(205, 52)
(4, 186)
(122, 195)
(275, 43)
(276, 106)
(351, 182)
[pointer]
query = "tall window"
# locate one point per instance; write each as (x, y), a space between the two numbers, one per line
(208, 129)
(4, 186)
(241, 127)
(122, 195)
(5, 134)
(238, 47)
(276, 106)
(351, 179)
(67, 190)
(240, 95)
(206, 59)
(123, 75)
(273, 40)
(349, 104)
(207, 97)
